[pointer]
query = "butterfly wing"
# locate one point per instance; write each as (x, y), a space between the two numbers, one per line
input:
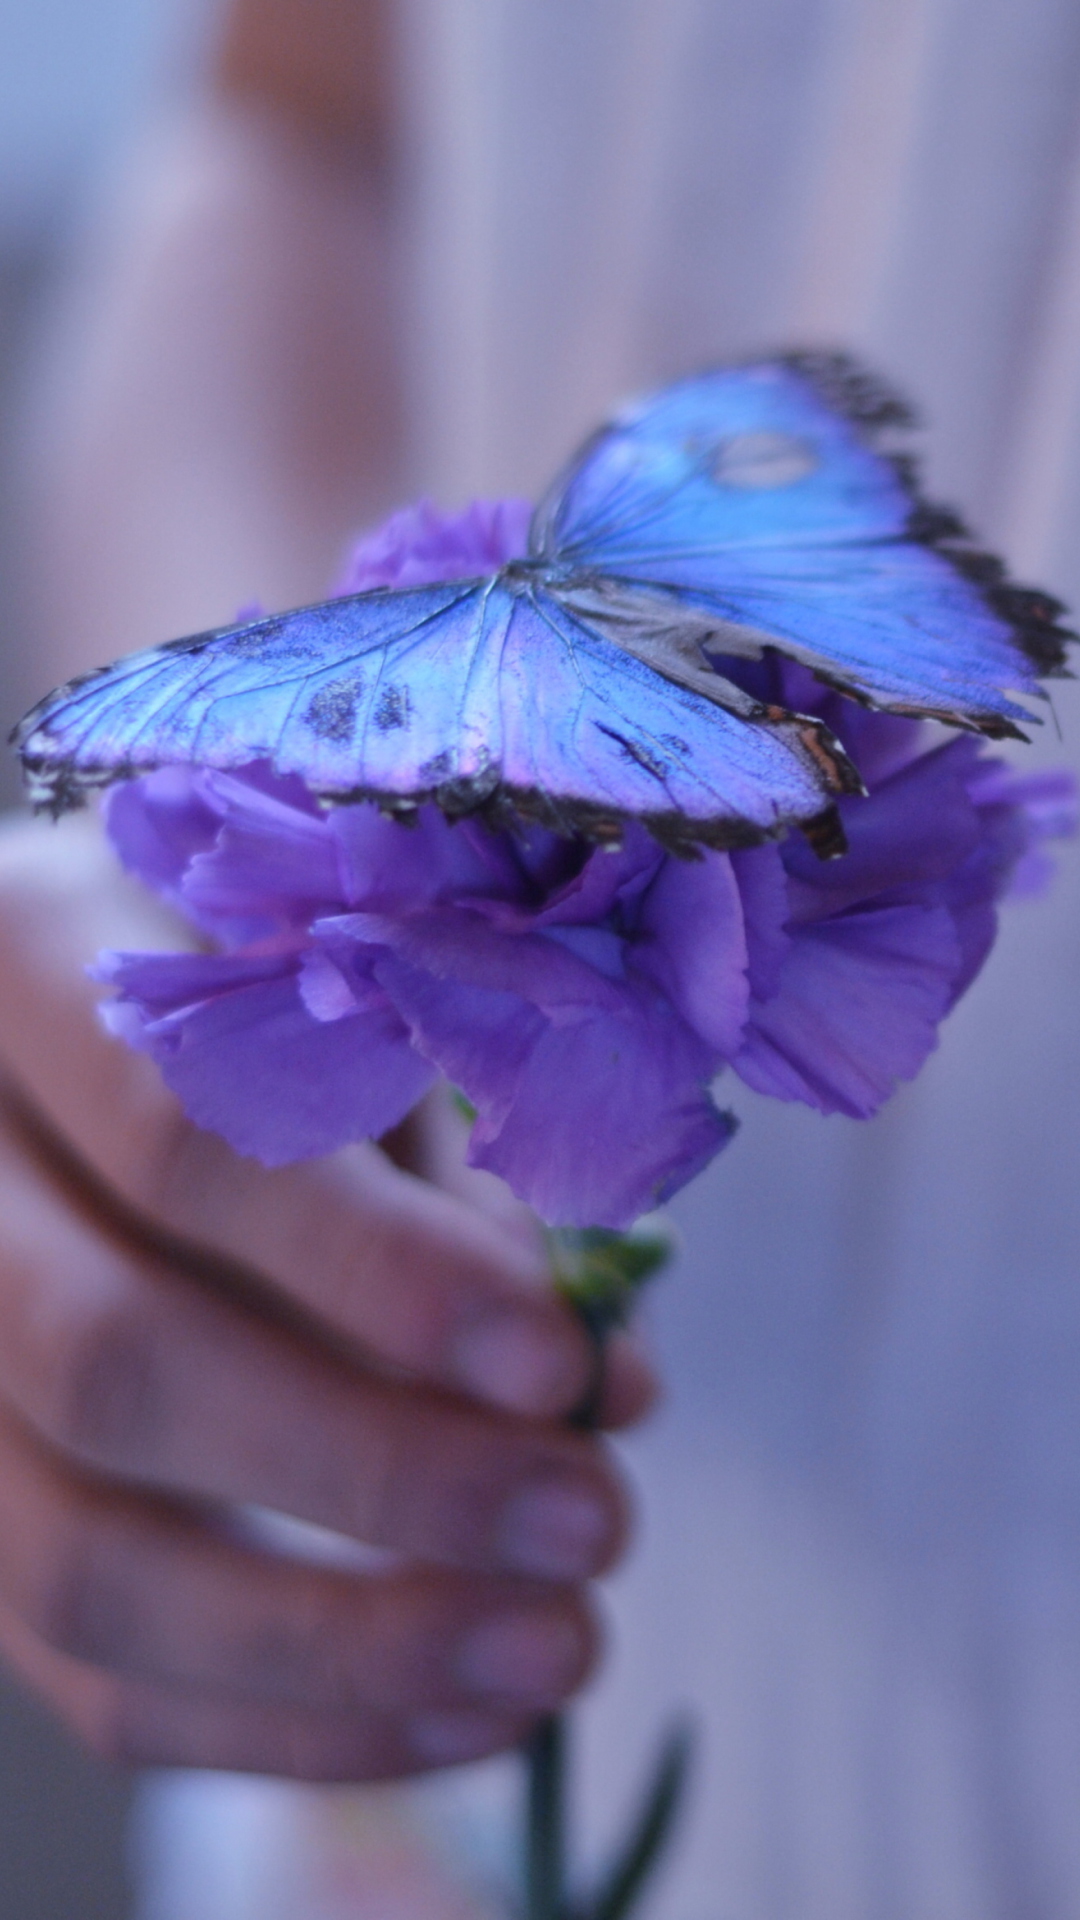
(361, 694)
(763, 494)
(480, 695)
(592, 734)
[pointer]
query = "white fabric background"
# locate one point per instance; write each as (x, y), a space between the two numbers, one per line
(861, 1547)
(860, 1552)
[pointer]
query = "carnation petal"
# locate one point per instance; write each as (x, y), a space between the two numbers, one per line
(478, 1037)
(591, 1122)
(250, 1063)
(164, 982)
(383, 862)
(858, 1008)
(763, 888)
(271, 862)
(419, 545)
(917, 827)
(976, 925)
(695, 946)
(610, 877)
(454, 945)
(330, 991)
(1036, 807)
(609, 1119)
(241, 855)
(157, 823)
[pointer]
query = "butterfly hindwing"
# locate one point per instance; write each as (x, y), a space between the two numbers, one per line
(760, 493)
(581, 717)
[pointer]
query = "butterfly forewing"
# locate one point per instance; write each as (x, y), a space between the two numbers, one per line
(374, 682)
(486, 694)
(749, 492)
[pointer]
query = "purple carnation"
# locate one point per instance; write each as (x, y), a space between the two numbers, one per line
(584, 999)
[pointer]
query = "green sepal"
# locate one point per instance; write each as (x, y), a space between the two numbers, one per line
(601, 1272)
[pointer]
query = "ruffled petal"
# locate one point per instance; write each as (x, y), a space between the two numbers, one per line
(916, 828)
(1023, 811)
(858, 1009)
(479, 1037)
(384, 863)
(591, 1121)
(610, 1118)
(455, 945)
(763, 889)
(331, 990)
(272, 864)
(243, 856)
(611, 878)
(157, 823)
(419, 545)
(236, 1044)
(692, 943)
(975, 924)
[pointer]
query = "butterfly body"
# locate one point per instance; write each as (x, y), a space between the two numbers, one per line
(584, 683)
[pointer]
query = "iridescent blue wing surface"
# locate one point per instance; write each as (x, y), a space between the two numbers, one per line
(297, 689)
(753, 507)
(774, 496)
(488, 696)
(580, 715)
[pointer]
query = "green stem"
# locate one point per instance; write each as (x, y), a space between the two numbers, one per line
(598, 1273)
(545, 1863)
(545, 1750)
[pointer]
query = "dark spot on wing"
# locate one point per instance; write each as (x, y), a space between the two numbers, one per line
(435, 769)
(672, 740)
(393, 708)
(271, 640)
(331, 711)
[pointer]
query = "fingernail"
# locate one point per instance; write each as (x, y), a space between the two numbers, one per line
(509, 1359)
(524, 1656)
(557, 1531)
(443, 1738)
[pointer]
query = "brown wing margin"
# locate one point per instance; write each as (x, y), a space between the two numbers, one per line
(879, 414)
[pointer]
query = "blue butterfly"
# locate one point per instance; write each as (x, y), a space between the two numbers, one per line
(753, 507)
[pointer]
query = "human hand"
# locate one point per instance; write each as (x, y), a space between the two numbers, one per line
(185, 1336)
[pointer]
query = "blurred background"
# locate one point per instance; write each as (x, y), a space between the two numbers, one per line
(867, 1478)
(75, 82)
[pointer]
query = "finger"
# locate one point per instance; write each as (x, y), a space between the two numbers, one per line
(630, 1388)
(152, 1591)
(419, 1277)
(327, 68)
(134, 1724)
(148, 1377)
